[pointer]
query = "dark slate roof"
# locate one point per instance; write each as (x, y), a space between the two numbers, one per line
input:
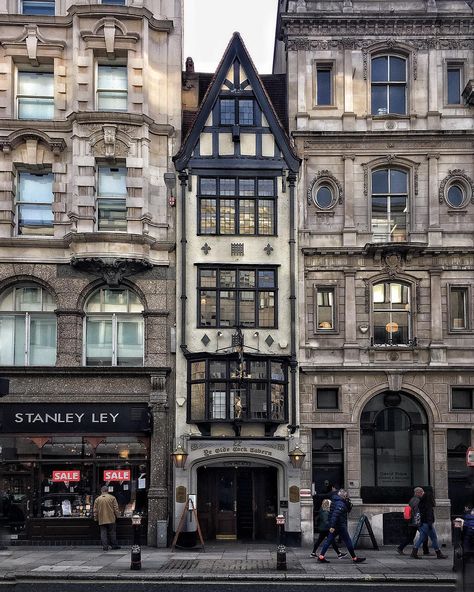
(275, 85)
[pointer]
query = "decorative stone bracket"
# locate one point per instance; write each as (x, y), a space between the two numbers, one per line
(30, 41)
(112, 270)
(110, 34)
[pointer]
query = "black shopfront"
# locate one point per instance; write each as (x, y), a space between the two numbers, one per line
(55, 457)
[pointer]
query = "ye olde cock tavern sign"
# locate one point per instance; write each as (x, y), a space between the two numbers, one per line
(80, 418)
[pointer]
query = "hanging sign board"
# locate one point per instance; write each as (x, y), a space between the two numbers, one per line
(69, 475)
(116, 475)
(470, 457)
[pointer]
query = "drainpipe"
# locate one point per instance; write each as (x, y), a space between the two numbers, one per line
(293, 361)
(183, 177)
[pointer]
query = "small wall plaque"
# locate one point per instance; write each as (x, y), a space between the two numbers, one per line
(181, 494)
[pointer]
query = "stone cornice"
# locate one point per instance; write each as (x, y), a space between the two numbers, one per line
(351, 43)
(91, 10)
(363, 25)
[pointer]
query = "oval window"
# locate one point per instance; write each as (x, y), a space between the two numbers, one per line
(455, 196)
(324, 197)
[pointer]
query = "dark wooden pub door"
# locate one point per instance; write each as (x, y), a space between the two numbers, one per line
(237, 503)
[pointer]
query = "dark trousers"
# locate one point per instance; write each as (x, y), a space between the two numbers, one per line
(410, 533)
(321, 537)
(108, 533)
(346, 539)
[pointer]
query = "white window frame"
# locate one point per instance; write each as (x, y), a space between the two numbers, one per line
(53, 2)
(98, 90)
(100, 197)
(19, 202)
(18, 96)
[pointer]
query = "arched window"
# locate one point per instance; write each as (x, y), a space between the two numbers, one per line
(389, 205)
(389, 85)
(391, 314)
(27, 327)
(394, 448)
(114, 328)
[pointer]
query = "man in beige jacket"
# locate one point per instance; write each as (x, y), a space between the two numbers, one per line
(106, 512)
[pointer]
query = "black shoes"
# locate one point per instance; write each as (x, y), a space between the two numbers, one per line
(322, 559)
(358, 559)
(400, 551)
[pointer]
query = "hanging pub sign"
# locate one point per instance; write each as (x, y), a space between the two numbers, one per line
(116, 475)
(61, 475)
(470, 457)
(85, 418)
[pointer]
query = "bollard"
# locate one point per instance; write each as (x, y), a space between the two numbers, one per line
(136, 558)
(281, 548)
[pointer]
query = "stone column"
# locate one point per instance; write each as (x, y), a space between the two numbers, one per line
(351, 352)
(434, 230)
(353, 471)
(433, 89)
(437, 347)
(348, 117)
(159, 456)
(439, 473)
(70, 330)
(349, 232)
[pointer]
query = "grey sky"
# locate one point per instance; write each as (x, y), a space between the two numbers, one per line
(209, 24)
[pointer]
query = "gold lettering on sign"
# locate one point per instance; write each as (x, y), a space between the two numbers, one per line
(294, 494)
(181, 494)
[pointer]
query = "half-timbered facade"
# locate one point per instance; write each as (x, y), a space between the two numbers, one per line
(236, 404)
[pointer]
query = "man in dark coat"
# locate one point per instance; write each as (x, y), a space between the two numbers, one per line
(338, 526)
(414, 522)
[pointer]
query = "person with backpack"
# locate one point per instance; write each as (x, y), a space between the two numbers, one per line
(426, 528)
(322, 526)
(337, 520)
(411, 516)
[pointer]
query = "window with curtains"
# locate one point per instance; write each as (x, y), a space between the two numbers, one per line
(237, 206)
(27, 327)
(34, 204)
(237, 297)
(391, 314)
(112, 87)
(389, 205)
(35, 95)
(114, 328)
(225, 389)
(389, 85)
(38, 7)
(112, 198)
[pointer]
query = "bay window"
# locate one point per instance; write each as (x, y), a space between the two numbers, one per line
(112, 88)
(226, 389)
(112, 202)
(35, 95)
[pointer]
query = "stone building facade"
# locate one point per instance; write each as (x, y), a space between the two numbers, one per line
(90, 117)
(386, 249)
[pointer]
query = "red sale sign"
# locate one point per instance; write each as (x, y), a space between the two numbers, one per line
(117, 475)
(72, 475)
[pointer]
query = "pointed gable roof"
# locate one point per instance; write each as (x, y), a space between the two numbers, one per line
(236, 50)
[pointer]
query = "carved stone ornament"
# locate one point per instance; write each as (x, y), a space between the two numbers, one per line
(109, 142)
(54, 145)
(110, 34)
(32, 40)
(325, 176)
(392, 264)
(457, 175)
(112, 269)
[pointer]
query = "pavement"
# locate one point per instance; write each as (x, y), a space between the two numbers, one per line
(224, 561)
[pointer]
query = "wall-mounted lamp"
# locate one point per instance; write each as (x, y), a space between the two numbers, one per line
(170, 182)
(363, 328)
(296, 457)
(179, 456)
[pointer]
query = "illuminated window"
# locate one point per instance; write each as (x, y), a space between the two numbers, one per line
(391, 314)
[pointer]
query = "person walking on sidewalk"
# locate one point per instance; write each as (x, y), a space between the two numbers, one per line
(413, 523)
(322, 526)
(106, 512)
(426, 528)
(338, 526)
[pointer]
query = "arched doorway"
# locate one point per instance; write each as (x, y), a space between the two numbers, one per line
(237, 501)
(394, 448)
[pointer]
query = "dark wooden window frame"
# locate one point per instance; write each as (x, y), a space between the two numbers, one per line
(316, 406)
(468, 327)
(237, 290)
(243, 385)
(243, 97)
(237, 197)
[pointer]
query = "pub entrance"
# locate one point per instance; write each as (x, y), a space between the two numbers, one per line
(237, 502)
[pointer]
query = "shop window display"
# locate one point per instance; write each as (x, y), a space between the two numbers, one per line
(51, 477)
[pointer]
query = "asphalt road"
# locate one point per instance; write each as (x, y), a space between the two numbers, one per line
(112, 586)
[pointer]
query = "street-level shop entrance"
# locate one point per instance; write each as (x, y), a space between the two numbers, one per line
(237, 502)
